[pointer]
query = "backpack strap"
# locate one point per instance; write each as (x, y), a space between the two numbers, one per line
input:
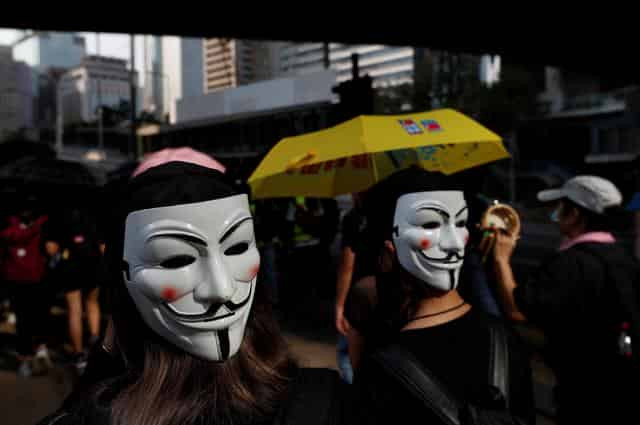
(499, 362)
(402, 366)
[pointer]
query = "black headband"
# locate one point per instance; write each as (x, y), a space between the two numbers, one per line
(176, 183)
(173, 183)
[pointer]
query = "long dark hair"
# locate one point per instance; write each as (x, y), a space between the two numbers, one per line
(399, 297)
(162, 384)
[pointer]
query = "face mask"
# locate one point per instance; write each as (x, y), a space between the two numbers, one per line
(555, 215)
(430, 235)
(191, 271)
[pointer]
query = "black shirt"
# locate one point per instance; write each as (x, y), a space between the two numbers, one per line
(457, 353)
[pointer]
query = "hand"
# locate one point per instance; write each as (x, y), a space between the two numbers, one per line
(108, 341)
(342, 324)
(503, 249)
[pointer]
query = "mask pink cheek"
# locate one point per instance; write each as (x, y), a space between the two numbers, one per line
(466, 239)
(425, 244)
(169, 294)
(253, 272)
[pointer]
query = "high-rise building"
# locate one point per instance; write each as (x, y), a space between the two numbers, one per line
(386, 65)
(97, 81)
(155, 83)
(173, 68)
(42, 50)
(231, 63)
(16, 94)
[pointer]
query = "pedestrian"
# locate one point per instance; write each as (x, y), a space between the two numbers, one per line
(585, 300)
(427, 351)
(22, 269)
(75, 250)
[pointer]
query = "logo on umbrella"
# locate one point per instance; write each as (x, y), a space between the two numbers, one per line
(410, 126)
(431, 125)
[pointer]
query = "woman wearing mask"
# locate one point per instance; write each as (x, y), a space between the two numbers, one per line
(194, 341)
(413, 316)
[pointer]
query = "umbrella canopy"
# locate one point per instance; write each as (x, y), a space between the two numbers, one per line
(352, 156)
(18, 149)
(53, 180)
(49, 171)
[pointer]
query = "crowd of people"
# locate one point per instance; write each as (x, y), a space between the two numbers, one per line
(51, 256)
(196, 274)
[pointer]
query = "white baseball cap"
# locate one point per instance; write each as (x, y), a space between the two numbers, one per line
(591, 192)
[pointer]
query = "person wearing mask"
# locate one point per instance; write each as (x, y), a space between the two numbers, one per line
(426, 351)
(192, 338)
(581, 298)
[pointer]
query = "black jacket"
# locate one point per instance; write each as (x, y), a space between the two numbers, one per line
(572, 299)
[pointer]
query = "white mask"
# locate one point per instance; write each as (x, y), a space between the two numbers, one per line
(192, 273)
(430, 235)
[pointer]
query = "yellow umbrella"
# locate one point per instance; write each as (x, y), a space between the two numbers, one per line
(352, 156)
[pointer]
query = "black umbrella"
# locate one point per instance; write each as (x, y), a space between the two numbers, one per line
(49, 171)
(54, 181)
(14, 150)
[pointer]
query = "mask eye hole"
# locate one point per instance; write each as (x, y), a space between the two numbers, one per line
(431, 225)
(461, 223)
(177, 261)
(237, 249)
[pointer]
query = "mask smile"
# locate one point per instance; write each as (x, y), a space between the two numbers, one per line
(211, 314)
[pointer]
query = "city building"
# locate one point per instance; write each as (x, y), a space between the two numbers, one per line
(386, 65)
(96, 81)
(16, 95)
(231, 63)
(42, 50)
(173, 70)
(259, 97)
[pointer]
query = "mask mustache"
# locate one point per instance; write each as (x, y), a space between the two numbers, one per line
(230, 305)
(213, 309)
(454, 255)
(449, 258)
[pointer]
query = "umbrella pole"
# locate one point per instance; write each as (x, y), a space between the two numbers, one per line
(373, 167)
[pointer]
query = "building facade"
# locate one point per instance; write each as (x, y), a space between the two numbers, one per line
(230, 63)
(386, 65)
(42, 50)
(16, 95)
(97, 81)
